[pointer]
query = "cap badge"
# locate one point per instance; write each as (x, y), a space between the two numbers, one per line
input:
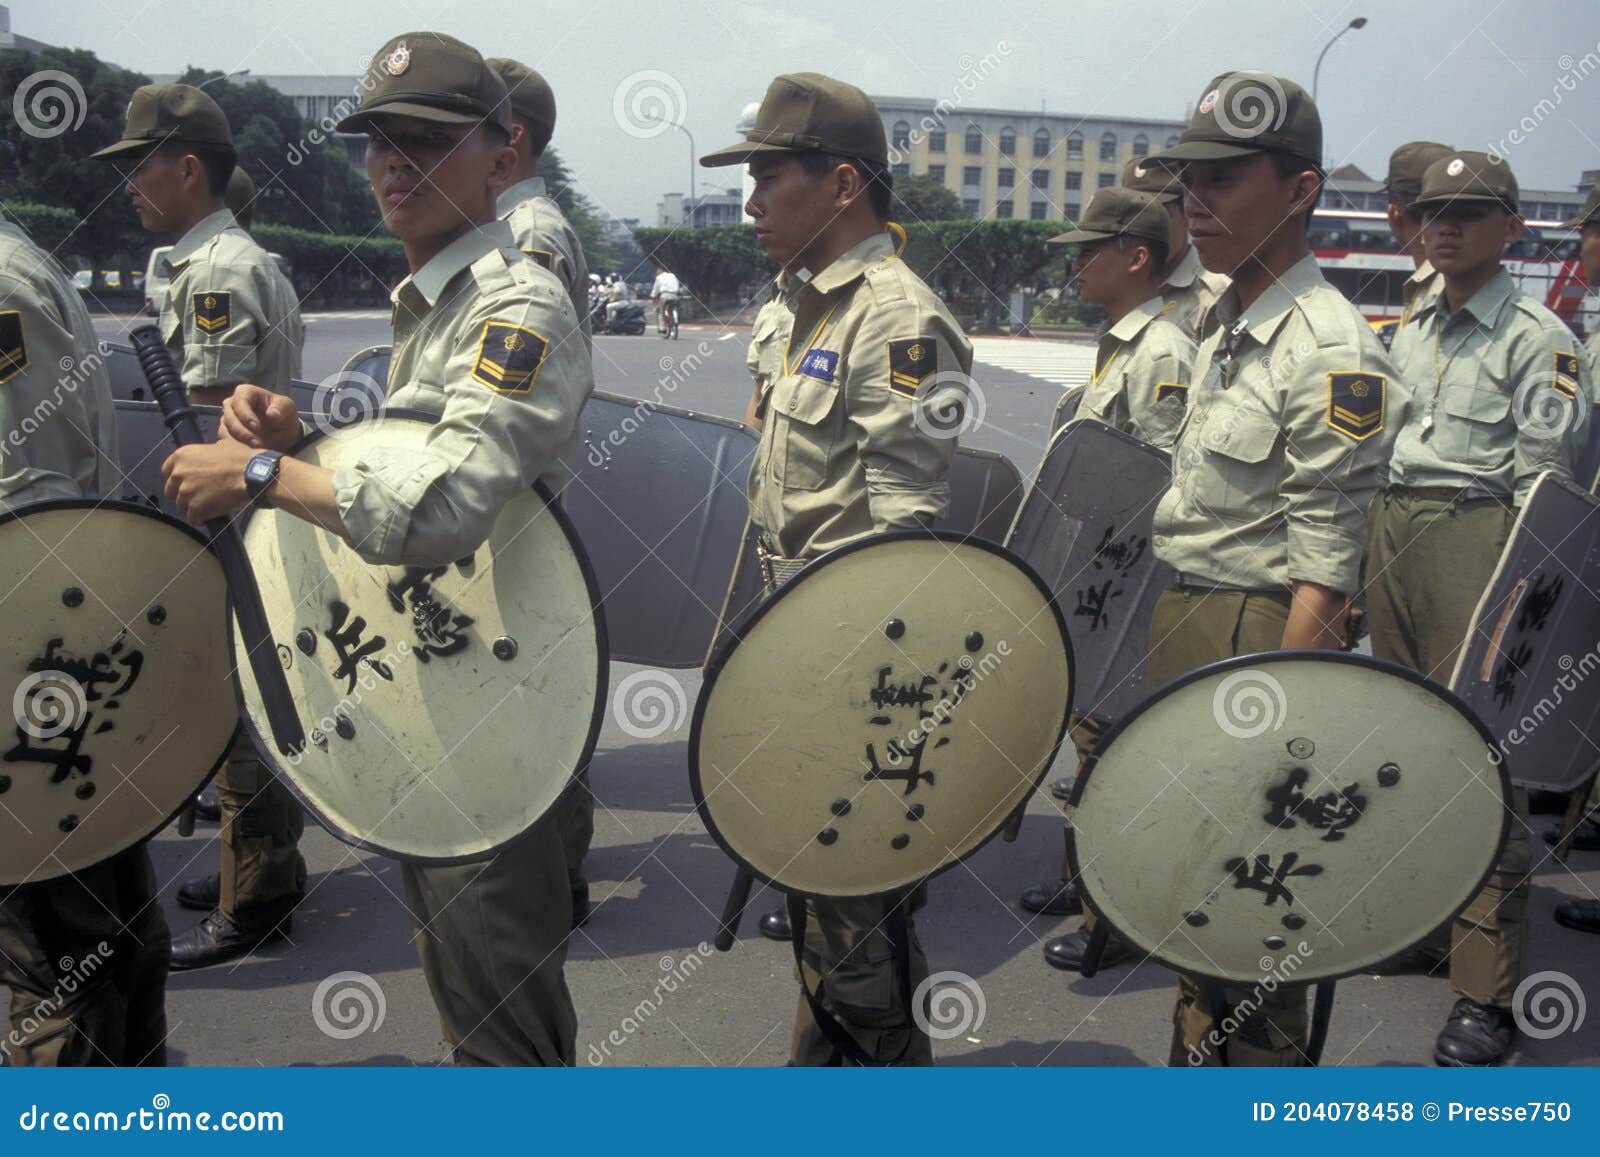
(1456, 167)
(1209, 101)
(1138, 170)
(397, 61)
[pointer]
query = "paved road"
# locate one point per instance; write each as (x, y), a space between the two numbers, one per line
(660, 879)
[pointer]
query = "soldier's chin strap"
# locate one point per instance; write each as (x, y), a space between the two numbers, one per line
(845, 1046)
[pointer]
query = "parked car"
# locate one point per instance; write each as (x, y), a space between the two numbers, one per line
(156, 280)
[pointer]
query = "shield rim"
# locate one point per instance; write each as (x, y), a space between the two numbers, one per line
(267, 749)
(718, 660)
(350, 362)
(227, 610)
(1258, 659)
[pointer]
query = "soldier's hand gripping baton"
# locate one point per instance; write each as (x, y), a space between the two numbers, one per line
(167, 388)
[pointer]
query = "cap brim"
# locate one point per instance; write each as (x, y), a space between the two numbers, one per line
(1580, 222)
(1078, 236)
(1205, 151)
(1459, 198)
(743, 151)
(359, 120)
(124, 147)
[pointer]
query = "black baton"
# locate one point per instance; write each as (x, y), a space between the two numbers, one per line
(167, 387)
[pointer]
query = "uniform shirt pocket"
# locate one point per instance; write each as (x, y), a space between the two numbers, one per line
(1477, 424)
(1237, 476)
(810, 411)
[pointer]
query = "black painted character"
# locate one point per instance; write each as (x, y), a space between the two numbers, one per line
(345, 637)
(439, 627)
(1540, 602)
(1260, 876)
(1506, 672)
(1333, 812)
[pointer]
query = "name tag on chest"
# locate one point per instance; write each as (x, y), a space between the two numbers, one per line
(820, 364)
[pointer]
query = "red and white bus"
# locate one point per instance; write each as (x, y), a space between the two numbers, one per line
(1359, 256)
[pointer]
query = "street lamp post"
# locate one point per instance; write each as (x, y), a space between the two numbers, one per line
(688, 203)
(1358, 22)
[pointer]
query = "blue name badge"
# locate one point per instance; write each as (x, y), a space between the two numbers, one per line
(820, 364)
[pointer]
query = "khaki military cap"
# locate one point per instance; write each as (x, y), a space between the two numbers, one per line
(1146, 176)
(1242, 113)
(1590, 213)
(431, 77)
(532, 101)
(159, 113)
(1461, 177)
(241, 192)
(1119, 212)
(1406, 166)
(806, 112)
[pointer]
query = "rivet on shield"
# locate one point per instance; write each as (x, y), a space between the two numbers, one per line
(5, 784)
(68, 823)
(156, 615)
(343, 727)
(840, 807)
(1196, 919)
(894, 628)
(900, 841)
(1388, 775)
(975, 641)
(827, 836)
(306, 639)
(1301, 748)
(1274, 942)
(504, 648)
(1294, 921)
(85, 790)
(914, 812)
(319, 738)
(72, 597)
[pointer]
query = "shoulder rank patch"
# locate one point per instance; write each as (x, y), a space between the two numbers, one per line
(910, 362)
(820, 364)
(13, 345)
(1165, 390)
(1566, 377)
(543, 256)
(211, 311)
(509, 357)
(1355, 403)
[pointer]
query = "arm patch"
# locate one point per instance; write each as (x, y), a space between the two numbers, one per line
(1165, 390)
(13, 345)
(543, 256)
(910, 362)
(211, 311)
(1356, 403)
(509, 357)
(1565, 380)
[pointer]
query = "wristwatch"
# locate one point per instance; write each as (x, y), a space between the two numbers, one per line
(261, 471)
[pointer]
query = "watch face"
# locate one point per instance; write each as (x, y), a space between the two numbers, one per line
(259, 471)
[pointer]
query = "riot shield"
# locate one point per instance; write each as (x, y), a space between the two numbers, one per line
(447, 707)
(1530, 666)
(371, 364)
(658, 497)
(880, 716)
(1298, 814)
(1085, 526)
(118, 674)
(127, 379)
(143, 444)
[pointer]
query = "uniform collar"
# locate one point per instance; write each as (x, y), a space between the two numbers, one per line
(1422, 274)
(202, 231)
(1267, 312)
(853, 262)
(1183, 274)
(1486, 304)
(430, 281)
(1131, 324)
(518, 193)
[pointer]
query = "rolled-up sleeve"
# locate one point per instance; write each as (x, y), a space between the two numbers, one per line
(1551, 404)
(224, 324)
(515, 381)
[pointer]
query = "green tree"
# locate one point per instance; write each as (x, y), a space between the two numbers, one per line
(713, 261)
(923, 198)
(598, 250)
(977, 264)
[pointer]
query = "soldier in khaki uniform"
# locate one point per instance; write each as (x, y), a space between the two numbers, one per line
(1588, 221)
(1140, 384)
(493, 934)
(230, 316)
(845, 452)
(1189, 288)
(1283, 445)
(1404, 185)
(58, 440)
(1498, 394)
(544, 234)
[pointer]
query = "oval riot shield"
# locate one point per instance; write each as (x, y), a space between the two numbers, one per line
(115, 651)
(1305, 814)
(447, 708)
(881, 716)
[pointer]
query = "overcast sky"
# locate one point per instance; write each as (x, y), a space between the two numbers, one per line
(1466, 72)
